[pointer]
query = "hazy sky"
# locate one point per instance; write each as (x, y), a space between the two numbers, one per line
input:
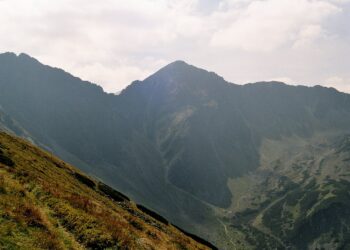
(115, 42)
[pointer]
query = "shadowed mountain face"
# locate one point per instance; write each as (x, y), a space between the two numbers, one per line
(181, 141)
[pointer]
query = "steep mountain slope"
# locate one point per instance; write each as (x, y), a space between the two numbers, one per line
(211, 156)
(93, 130)
(47, 204)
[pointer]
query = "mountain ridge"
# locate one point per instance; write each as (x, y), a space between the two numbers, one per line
(172, 65)
(184, 142)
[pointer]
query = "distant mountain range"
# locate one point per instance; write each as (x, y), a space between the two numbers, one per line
(255, 166)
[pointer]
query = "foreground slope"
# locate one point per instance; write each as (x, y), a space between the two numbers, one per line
(47, 204)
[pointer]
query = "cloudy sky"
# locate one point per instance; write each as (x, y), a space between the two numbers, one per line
(113, 42)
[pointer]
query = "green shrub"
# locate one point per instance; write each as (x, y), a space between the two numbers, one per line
(6, 160)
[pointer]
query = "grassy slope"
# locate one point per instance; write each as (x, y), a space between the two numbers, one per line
(43, 205)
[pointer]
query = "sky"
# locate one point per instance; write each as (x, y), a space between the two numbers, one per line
(114, 42)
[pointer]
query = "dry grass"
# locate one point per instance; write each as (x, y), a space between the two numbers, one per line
(44, 206)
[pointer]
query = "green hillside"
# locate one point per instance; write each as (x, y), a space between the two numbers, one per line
(47, 204)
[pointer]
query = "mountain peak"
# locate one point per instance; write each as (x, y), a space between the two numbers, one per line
(24, 55)
(178, 65)
(11, 56)
(28, 59)
(8, 54)
(180, 70)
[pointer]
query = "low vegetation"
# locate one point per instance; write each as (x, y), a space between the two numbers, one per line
(296, 201)
(47, 204)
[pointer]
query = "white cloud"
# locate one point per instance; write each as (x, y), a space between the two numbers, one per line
(307, 35)
(114, 42)
(339, 83)
(270, 24)
(286, 80)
